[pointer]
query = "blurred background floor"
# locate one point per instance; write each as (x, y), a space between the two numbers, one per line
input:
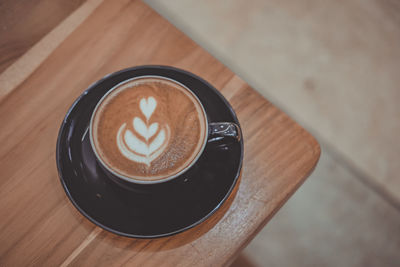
(334, 66)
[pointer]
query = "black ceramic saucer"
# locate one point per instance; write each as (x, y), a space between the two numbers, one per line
(147, 211)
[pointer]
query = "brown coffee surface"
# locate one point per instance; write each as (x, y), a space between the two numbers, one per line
(148, 129)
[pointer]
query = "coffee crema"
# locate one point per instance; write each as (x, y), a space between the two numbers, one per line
(148, 129)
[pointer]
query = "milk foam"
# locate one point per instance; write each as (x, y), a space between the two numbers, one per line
(135, 149)
(148, 129)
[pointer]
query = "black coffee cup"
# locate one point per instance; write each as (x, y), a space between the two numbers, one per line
(215, 132)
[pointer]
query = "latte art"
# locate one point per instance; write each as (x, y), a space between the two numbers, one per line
(143, 151)
(148, 129)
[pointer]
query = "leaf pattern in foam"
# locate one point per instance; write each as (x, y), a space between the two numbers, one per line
(135, 143)
(142, 129)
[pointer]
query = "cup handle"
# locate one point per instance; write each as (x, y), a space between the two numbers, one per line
(220, 130)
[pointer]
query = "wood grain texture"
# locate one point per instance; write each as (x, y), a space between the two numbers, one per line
(40, 226)
(25, 22)
(16, 73)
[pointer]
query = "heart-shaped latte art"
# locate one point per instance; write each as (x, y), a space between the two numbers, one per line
(147, 106)
(136, 149)
(146, 131)
(140, 147)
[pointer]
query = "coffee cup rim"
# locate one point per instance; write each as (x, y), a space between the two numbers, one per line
(161, 180)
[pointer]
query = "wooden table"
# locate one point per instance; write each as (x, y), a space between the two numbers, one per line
(39, 226)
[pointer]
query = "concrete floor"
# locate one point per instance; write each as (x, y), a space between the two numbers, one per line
(334, 66)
